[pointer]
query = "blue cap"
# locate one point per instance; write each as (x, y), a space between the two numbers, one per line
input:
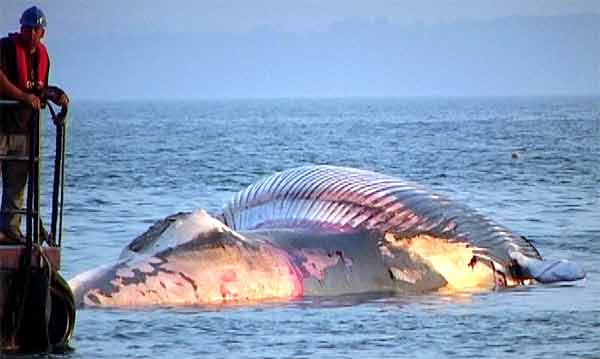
(33, 17)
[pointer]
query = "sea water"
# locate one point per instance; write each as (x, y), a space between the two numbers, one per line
(532, 164)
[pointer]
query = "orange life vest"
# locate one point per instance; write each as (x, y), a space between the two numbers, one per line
(24, 80)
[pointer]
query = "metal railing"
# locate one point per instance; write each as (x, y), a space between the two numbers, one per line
(33, 225)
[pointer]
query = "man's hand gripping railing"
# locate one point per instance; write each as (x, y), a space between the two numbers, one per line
(59, 97)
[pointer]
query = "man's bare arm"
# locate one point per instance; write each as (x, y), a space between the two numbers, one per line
(8, 89)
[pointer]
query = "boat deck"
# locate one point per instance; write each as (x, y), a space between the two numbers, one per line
(10, 256)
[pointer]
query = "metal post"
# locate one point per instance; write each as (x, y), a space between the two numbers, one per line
(63, 134)
(37, 137)
(29, 224)
(58, 186)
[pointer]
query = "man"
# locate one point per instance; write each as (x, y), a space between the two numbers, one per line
(24, 67)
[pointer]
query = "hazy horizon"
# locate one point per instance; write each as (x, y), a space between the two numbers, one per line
(269, 49)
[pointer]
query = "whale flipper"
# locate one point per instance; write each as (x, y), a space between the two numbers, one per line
(549, 271)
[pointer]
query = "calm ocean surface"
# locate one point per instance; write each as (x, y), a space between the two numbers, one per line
(132, 163)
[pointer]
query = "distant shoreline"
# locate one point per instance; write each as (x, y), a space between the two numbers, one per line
(346, 98)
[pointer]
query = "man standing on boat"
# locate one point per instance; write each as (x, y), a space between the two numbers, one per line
(24, 67)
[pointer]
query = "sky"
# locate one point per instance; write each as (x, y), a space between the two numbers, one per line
(72, 16)
(204, 37)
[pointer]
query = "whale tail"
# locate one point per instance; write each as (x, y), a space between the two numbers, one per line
(549, 271)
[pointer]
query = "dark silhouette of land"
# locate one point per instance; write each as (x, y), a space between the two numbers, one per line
(555, 55)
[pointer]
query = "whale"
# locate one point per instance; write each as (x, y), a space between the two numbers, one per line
(319, 231)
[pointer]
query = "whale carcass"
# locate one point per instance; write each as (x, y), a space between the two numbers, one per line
(318, 231)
